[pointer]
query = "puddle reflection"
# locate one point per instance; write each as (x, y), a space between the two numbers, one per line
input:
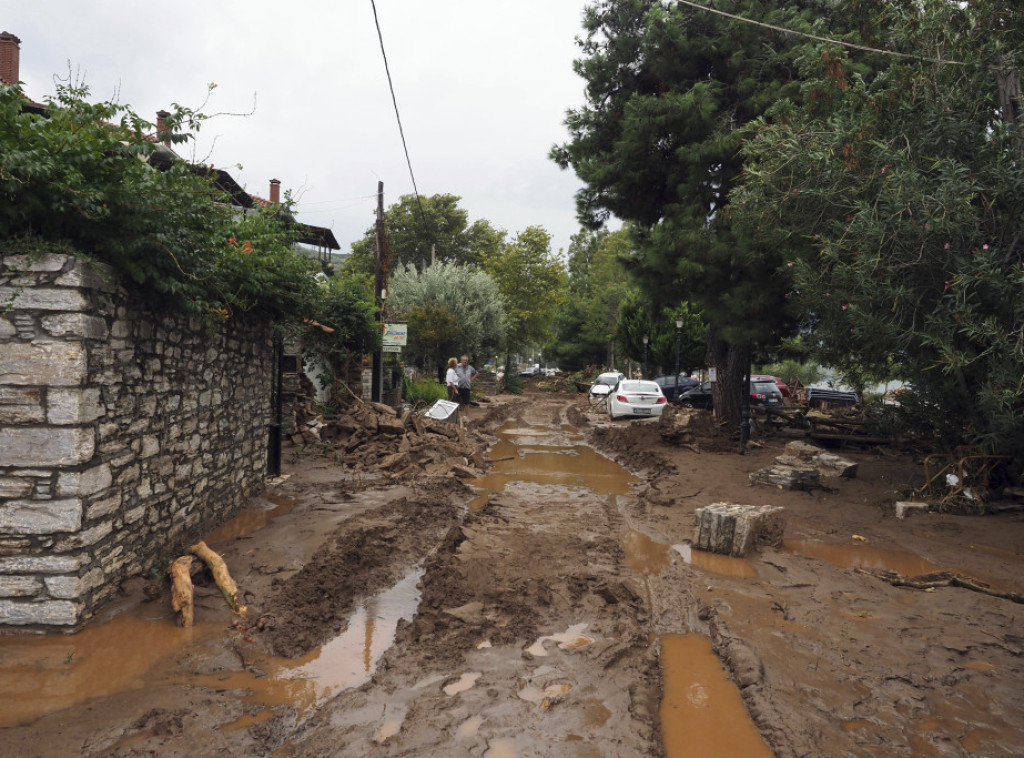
(253, 519)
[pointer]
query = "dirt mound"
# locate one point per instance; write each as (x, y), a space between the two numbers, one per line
(360, 558)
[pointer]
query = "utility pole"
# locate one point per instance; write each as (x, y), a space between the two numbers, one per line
(379, 278)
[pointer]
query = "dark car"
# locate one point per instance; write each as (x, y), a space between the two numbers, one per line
(761, 393)
(668, 385)
(532, 371)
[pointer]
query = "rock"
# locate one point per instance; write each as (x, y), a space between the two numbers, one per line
(827, 463)
(788, 477)
(731, 529)
(387, 410)
(906, 508)
(390, 425)
(464, 472)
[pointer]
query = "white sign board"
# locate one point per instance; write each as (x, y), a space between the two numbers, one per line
(396, 334)
(712, 374)
(391, 349)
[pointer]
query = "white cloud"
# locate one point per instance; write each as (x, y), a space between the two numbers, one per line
(482, 88)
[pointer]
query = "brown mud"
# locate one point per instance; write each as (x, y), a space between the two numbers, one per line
(551, 607)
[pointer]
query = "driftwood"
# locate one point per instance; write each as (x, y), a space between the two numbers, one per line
(182, 591)
(221, 575)
(939, 579)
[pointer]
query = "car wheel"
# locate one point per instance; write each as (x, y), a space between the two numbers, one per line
(687, 403)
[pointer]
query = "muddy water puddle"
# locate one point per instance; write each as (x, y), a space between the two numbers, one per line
(120, 649)
(648, 556)
(862, 556)
(702, 712)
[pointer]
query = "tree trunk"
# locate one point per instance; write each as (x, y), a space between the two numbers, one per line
(730, 363)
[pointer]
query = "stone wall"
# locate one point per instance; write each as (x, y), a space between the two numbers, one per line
(124, 434)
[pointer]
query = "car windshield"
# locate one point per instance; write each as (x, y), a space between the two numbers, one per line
(762, 386)
(610, 379)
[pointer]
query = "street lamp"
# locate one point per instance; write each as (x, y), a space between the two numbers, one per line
(646, 340)
(679, 331)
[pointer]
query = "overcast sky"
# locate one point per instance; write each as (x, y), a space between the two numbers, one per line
(482, 89)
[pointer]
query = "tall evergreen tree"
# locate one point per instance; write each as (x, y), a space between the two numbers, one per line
(657, 144)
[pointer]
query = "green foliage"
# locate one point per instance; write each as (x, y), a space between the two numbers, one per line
(808, 372)
(424, 391)
(899, 196)
(424, 230)
(586, 320)
(86, 174)
(657, 145)
(451, 310)
(513, 382)
(531, 280)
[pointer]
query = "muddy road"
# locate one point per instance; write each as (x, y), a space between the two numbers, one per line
(552, 606)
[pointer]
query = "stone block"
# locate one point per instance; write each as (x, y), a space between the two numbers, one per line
(104, 507)
(14, 486)
(43, 299)
(47, 364)
(828, 464)
(731, 529)
(86, 538)
(73, 406)
(50, 613)
(63, 587)
(75, 325)
(7, 329)
(40, 564)
(907, 508)
(788, 477)
(94, 276)
(41, 516)
(46, 446)
(84, 483)
(20, 586)
(150, 446)
(49, 262)
(21, 405)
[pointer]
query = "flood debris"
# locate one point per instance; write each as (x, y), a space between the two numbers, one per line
(373, 437)
(221, 576)
(939, 579)
(182, 590)
(803, 466)
(732, 529)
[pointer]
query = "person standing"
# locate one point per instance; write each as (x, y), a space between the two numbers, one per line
(451, 379)
(465, 373)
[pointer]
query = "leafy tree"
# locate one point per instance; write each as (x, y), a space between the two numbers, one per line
(657, 145)
(86, 174)
(899, 198)
(532, 281)
(451, 309)
(427, 229)
(586, 320)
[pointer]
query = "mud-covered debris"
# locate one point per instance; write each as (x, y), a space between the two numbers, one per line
(827, 464)
(786, 476)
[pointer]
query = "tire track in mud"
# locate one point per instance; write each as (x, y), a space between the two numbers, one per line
(528, 641)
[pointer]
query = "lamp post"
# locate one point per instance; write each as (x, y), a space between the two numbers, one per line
(679, 330)
(745, 405)
(646, 340)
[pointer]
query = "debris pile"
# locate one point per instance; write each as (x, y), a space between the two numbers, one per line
(802, 467)
(679, 425)
(376, 437)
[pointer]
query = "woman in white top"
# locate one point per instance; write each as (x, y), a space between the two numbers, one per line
(452, 380)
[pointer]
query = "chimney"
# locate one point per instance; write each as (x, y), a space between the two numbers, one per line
(162, 132)
(275, 190)
(10, 53)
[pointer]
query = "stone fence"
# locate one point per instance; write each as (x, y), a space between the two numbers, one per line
(125, 433)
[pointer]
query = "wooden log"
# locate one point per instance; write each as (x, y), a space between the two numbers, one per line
(221, 575)
(731, 529)
(182, 591)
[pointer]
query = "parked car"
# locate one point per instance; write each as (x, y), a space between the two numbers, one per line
(531, 371)
(668, 385)
(783, 387)
(604, 383)
(635, 397)
(761, 393)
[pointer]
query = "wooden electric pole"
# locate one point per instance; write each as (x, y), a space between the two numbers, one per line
(379, 277)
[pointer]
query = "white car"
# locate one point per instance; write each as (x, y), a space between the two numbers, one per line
(603, 385)
(635, 397)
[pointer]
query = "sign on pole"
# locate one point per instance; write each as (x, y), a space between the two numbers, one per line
(395, 335)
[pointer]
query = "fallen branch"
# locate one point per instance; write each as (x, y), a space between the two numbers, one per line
(940, 579)
(221, 576)
(182, 592)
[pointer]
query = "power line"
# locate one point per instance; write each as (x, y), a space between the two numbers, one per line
(850, 45)
(401, 131)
